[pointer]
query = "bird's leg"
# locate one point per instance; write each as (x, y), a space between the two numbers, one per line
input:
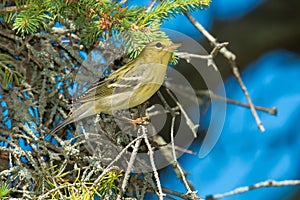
(138, 121)
(138, 115)
(143, 118)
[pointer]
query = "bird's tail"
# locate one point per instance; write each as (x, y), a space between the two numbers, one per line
(83, 111)
(67, 121)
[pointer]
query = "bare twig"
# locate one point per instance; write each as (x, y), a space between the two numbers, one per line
(160, 193)
(226, 53)
(192, 126)
(186, 91)
(268, 183)
(178, 194)
(116, 159)
(167, 106)
(13, 8)
(187, 56)
(212, 95)
(129, 168)
(172, 138)
(232, 60)
(175, 162)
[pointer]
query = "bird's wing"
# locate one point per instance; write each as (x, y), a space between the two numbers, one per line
(123, 81)
(133, 79)
(97, 90)
(102, 87)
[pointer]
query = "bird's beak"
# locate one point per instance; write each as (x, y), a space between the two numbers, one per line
(173, 46)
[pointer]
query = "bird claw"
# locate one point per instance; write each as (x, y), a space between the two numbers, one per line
(141, 120)
(138, 121)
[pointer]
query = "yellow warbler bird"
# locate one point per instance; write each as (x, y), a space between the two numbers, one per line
(127, 87)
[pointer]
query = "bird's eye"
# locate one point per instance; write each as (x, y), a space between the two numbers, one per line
(158, 45)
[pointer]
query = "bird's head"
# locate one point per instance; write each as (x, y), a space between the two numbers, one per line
(159, 51)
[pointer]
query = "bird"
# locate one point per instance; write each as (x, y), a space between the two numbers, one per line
(127, 87)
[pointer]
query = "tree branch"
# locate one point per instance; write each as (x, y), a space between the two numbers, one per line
(232, 61)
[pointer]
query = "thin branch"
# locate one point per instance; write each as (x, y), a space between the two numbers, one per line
(212, 95)
(185, 92)
(116, 159)
(160, 193)
(268, 183)
(167, 106)
(210, 62)
(184, 179)
(129, 168)
(178, 194)
(175, 162)
(13, 8)
(226, 53)
(252, 108)
(172, 138)
(192, 126)
(232, 60)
